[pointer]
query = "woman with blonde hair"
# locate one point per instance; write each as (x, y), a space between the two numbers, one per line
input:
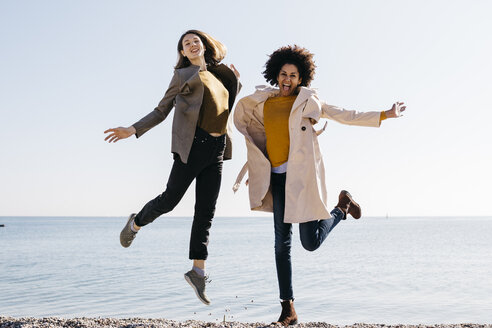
(202, 92)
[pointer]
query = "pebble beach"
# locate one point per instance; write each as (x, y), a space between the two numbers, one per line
(54, 322)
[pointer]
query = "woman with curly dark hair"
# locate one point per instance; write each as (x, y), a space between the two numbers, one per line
(202, 92)
(286, 171)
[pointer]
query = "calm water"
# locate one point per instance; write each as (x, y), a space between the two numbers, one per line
(376, 270)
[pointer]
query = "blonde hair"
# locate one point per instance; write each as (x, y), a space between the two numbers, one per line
(215, 51)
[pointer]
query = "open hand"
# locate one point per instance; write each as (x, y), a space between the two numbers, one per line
(117, 134)
(236, 72)
(396, 110)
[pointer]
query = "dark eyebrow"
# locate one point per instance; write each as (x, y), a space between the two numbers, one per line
(282, 71)
(192, 39)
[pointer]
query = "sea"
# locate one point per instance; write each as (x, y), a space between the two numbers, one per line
(395, 270)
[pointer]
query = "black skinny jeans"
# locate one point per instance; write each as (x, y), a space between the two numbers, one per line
(204, 165)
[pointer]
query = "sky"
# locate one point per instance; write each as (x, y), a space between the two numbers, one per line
(71, 69)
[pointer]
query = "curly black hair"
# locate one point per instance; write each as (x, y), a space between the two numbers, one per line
(295, 55)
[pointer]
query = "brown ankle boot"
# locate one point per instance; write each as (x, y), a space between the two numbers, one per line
(347, 204)
(288, 315)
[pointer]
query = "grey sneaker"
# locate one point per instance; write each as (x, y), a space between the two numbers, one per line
(127, 235)
(198, 283)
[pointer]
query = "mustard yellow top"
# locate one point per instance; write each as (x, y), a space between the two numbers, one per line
(276, 112)
(215, 105)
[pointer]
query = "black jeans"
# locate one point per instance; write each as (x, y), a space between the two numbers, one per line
(204, 165)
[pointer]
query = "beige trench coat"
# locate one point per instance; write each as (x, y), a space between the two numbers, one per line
(305, 189)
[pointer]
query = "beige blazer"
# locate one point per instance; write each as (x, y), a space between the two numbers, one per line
(185, 95)
(305, 189)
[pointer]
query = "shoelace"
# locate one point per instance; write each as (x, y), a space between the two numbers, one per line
(207, 279)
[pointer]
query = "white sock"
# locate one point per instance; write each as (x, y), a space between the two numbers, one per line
(201, 272)
(132, 227)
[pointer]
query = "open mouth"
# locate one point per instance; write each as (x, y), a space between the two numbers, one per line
(286, 87)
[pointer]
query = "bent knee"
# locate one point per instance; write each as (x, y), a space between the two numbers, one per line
(310, 246)
(167, 201)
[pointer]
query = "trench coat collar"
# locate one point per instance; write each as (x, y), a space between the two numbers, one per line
(263, 92)
(304, 94)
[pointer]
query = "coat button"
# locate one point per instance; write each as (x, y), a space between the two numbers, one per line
(303, 128)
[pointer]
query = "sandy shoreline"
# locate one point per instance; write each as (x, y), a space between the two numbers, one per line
(54, 322)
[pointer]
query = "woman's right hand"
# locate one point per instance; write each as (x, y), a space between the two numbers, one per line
(117, 134)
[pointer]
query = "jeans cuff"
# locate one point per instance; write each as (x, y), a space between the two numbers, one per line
(338, 214)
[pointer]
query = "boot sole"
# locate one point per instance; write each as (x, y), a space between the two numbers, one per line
(121, 238)
(295, 322)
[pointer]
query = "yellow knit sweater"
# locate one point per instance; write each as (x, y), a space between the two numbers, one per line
(276, 112)
(215, 107)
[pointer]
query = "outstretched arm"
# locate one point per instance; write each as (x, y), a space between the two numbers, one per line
(152, 119)
(352, 117)
(160, 113)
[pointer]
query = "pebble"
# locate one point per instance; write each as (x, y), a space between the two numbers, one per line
(54, 322)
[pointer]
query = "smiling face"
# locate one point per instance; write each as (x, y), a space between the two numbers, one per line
(288, 80)
(193, 47)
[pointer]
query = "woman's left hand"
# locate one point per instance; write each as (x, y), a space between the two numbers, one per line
(396, 110)
(235, 71)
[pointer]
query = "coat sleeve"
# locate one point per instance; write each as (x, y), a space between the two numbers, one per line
(239, 117)
(350, 117)
(160, 113)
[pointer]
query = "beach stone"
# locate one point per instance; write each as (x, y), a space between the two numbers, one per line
(54, 322)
